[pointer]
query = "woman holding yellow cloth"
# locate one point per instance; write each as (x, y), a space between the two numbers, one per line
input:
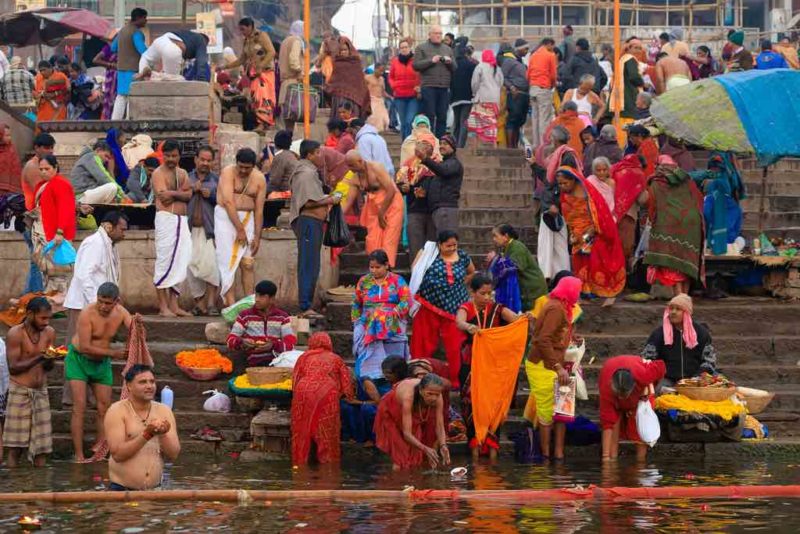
(545, 364)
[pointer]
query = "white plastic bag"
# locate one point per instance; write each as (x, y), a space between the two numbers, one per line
(287, 359)
(217, 402)
(575, 355)
(647, 423)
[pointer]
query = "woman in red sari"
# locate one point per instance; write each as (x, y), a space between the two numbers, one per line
(409, 426)
(597, 257)
(629, 194)
(319, 380)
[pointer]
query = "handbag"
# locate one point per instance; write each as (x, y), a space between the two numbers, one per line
(293, 108)
(337, 234)
(554, 222)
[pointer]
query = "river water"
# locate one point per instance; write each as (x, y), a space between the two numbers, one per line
(364, 471)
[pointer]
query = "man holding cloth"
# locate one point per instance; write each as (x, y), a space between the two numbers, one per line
(203, 270)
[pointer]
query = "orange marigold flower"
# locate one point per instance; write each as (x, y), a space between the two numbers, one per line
(204, 359)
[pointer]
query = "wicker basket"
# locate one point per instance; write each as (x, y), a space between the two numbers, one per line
(706, 393)
(756, 403)
(202, 374)
(268, 375)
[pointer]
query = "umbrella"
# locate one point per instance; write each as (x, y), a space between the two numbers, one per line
(49, 25)
(753, 112)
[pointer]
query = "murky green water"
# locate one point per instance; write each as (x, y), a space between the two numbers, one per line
(363, 472)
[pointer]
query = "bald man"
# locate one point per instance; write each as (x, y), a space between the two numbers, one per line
(434, 61)
(383, 212)
(671, 72)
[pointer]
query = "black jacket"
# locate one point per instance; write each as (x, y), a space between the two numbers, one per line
(461, 86)
(681, 361)
(583, 62)
(444, 190)
(416, 204)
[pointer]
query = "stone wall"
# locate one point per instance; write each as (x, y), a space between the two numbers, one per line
(171, 100)
(276, 261)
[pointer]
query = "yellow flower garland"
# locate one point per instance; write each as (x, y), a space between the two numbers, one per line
(726, 409)
(241, 382)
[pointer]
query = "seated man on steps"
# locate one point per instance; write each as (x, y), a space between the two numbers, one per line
(141, 433)
(88, 362)
(263, 331)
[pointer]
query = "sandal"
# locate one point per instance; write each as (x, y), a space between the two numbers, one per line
(197, 312)
(214, 312)
(207, 434)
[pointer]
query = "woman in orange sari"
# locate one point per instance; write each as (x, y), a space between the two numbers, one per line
(51, 93)
(597, 257)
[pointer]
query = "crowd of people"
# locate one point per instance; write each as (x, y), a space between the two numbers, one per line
(599, 190)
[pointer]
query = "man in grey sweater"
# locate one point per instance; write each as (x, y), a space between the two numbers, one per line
(434, 61)
(90, 179)
(515, 78)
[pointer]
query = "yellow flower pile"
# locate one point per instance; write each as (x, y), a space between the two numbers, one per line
(241, 382)
(726, 409)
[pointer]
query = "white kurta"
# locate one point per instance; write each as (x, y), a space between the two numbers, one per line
(96, 263)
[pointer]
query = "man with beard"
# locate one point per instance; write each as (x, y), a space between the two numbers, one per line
(27, 424)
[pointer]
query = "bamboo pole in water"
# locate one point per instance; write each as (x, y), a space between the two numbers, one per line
(557, 495)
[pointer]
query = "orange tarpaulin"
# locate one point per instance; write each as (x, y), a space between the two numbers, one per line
(496, 355)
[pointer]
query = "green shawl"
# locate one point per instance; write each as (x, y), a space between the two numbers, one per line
(676, 215)
(531, 280)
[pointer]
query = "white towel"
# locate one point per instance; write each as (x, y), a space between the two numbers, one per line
(203, 267)
(229, 252)
(173, 250)
(552, 251)
(430, 251)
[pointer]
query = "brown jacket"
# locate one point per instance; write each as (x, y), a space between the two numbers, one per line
(257, 53)
(127, 55)
(550, 335)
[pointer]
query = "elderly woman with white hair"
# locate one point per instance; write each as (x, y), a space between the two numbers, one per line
(591, 107)
(605, 146)
(602, 181)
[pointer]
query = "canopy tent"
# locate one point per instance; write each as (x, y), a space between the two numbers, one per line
(753, 112)
(50, 25)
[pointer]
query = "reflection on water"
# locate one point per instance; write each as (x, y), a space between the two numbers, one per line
(360, 472)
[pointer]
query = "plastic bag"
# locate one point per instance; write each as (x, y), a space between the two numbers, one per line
(231, 312)
(644, 241)
(287, 359)
(647, 423)
(575, 355)
(337, 234)
(217, 402)
(63, 254)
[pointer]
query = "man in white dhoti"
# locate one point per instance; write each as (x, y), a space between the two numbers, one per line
(203, 270)
(96, 263)
(173, 240)
(238, 220)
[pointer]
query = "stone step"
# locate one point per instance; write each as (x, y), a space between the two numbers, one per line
(772, 219)
(487, 182)
(773, 203)
(62, 448)
(489, 217)
(489, 174)
(187, 422)
(350, 277)
(358, 260)
(483, 234)
(190, 330)
(783, 187)
(496, 200)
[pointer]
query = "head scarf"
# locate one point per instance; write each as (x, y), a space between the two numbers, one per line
(421, 119)
(120, 167)
(460, 45)
(334, 166)
(347, 79)
(568, 292)
(320, 341)
(488, 57)
(296, 28)
(683, 302)
(737, 37)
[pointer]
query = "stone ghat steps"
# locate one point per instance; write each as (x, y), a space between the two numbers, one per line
(734, 316)
(62, 448)
(189, 330)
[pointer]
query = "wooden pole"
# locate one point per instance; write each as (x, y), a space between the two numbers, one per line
(307, 69)
(618, 96)
(183, 12)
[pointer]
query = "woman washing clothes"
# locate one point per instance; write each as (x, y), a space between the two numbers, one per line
(515, 261)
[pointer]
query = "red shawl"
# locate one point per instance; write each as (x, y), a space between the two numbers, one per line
(347, 79)
(607, 260)
(10, 166)
(628, 176)
(553, 161)
(56, 200)
(649, 151)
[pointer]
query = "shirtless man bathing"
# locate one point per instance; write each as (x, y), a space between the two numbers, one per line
(141, 433)
(173, 238)
(27, 424)
(88, 361)
(238, 220)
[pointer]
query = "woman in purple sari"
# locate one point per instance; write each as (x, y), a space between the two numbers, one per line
(106, 58)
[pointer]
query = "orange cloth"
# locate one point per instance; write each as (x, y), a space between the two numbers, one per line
(649, 151)
(262, 97)
(574, 125)
(542, 68)
(387, 238)
(52, 109)
(496, 356)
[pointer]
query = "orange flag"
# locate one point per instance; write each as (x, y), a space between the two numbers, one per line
(496, 357)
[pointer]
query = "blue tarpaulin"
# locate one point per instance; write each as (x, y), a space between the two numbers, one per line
(768, 105)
